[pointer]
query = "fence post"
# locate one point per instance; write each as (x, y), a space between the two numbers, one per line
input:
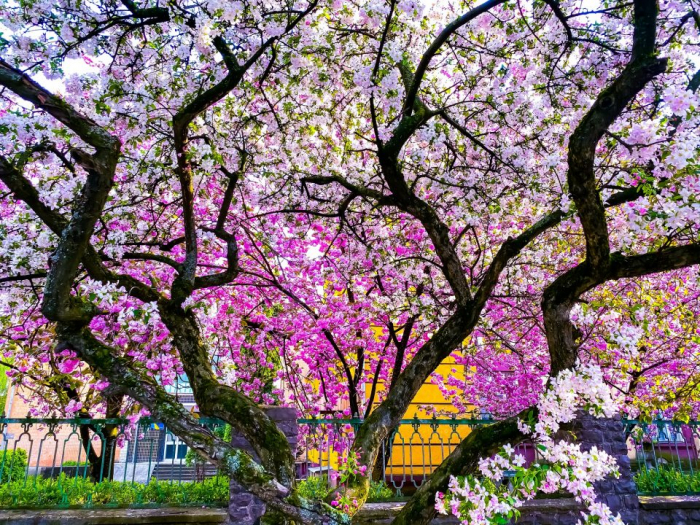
(609, 435)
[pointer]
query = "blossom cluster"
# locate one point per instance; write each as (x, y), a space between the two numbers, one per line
(332, 279)
(571, 390)
(506, 482)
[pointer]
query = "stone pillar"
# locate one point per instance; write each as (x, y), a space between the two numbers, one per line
(244, 508)
(608, 435)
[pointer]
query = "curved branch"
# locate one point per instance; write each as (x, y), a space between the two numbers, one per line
(23, 190)
(25, 277)
(184, 284)
(134, 256)
(86, 128)
(559, 297)
(324, 180)
(642, 67)
(554, 5)
(412, 92)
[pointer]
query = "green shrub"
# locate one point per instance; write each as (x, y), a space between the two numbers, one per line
(73, 463)
(114, 493)
(667, 480)
(13, 464)
(379, 491)
(70, 490)
(314, 488)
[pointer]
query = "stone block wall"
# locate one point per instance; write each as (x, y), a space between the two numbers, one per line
(669, 510)
(608, 434)
(565, 511)
(618, 494)
(244, 508)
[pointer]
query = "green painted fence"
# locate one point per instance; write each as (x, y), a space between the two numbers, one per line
(112, 462)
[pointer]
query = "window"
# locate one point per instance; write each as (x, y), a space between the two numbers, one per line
(174, 448)
(669, 434)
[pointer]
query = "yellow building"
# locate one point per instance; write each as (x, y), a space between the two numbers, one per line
(420, 444)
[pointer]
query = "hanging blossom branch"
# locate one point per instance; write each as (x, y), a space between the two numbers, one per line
(563, 465)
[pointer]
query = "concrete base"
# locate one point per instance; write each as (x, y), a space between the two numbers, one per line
(677, 510)
(138, 472)
(171, 516)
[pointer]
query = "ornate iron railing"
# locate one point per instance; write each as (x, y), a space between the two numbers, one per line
(415, 448)
(664, 456)
(90, 462)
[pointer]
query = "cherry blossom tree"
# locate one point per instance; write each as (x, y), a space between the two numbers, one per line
(406, 129)
(342, 195)
(102, 149)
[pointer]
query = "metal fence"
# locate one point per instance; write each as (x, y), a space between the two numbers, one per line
(664, 456)
(86, 462)
(415, 448)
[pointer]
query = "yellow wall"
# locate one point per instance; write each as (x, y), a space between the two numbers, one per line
(418, 452)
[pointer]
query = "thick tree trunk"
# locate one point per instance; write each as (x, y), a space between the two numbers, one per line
(218, 400)
(383, 458)
(109, 452)
(386, 417)
(101, 466)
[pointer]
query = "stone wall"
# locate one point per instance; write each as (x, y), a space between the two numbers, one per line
(676, 510)
(619, 494)
(244, 508)
(657, 510)
(608, 434)
(680, 510)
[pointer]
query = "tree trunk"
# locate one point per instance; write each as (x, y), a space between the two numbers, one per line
(383, 459)
(109, 452)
